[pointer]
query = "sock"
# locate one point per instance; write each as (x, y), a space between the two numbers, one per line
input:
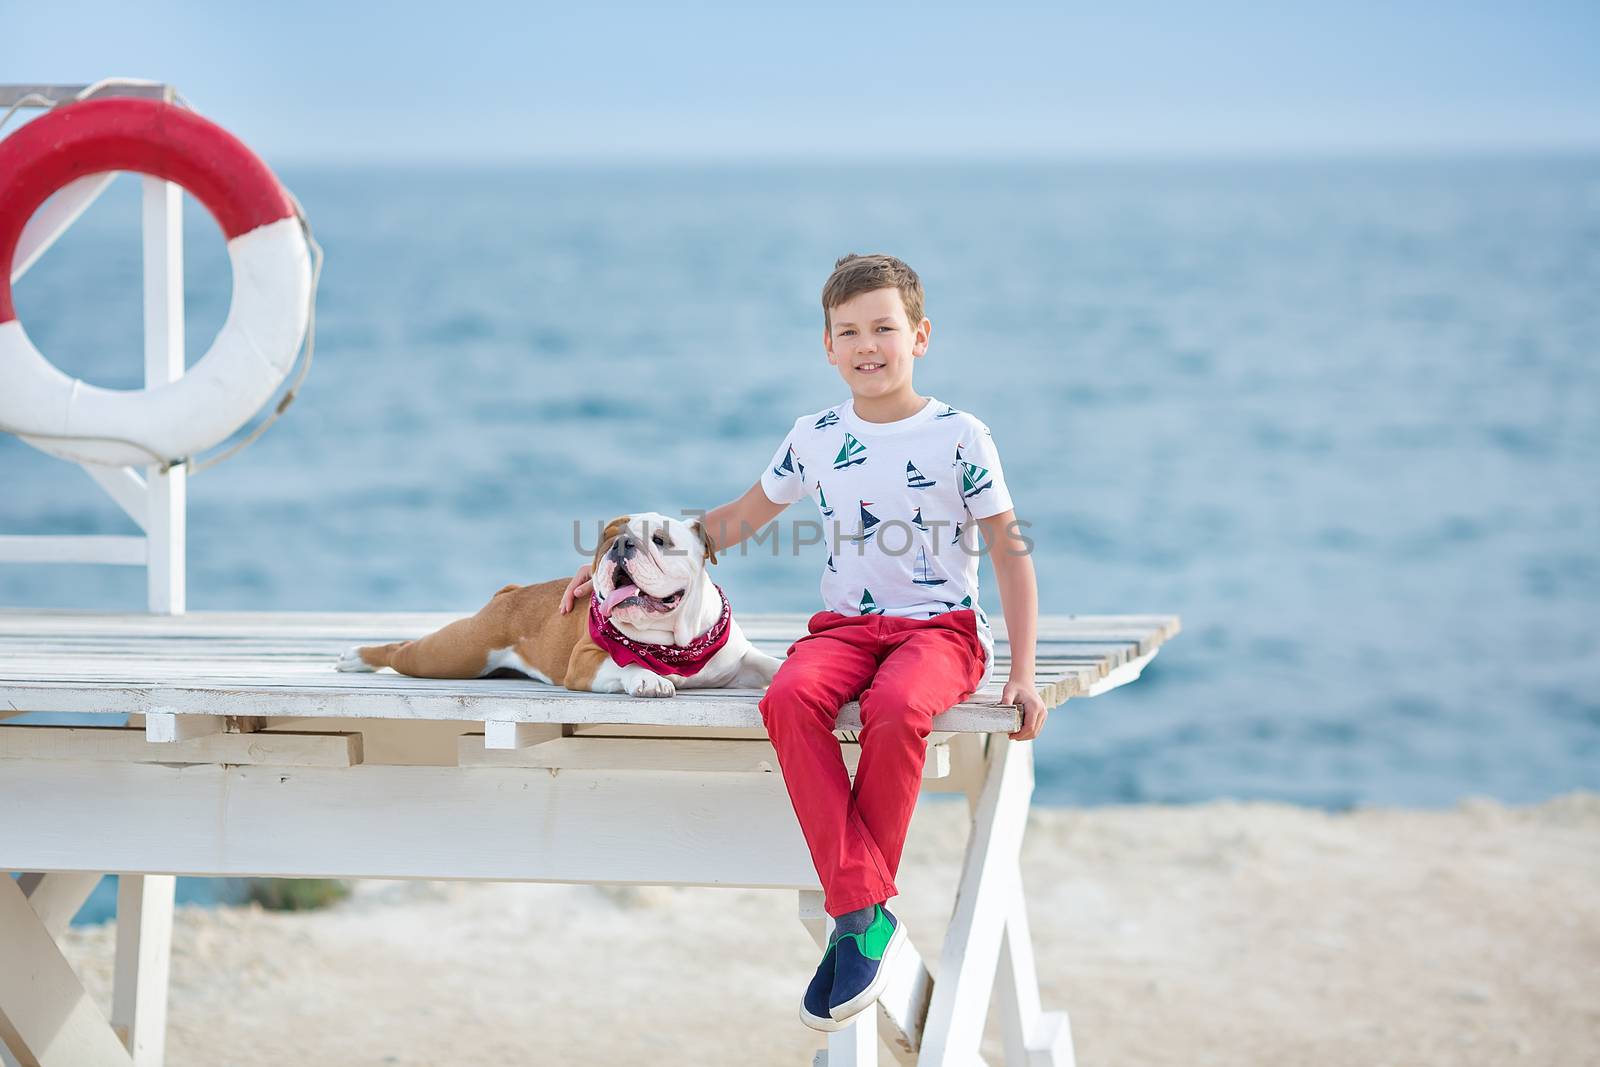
(853, 922)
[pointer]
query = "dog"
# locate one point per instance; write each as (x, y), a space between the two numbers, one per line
(654, 623)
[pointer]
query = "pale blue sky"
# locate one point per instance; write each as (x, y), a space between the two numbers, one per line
(849, 83)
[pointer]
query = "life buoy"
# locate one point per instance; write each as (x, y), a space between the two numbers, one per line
(271, 284)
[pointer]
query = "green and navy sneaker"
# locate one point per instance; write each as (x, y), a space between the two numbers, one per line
(814, 1008)
(861, 965)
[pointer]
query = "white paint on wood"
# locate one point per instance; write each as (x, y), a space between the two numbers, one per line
(167, 499)
(130, 743)
(118, 550)
(1127, 672)
(972, 945)
(507, 734)
(165, 727)
(57, 896)
(144, 948)
(694, 755)
(856, 1045)
(44, 1009)
(373, 821)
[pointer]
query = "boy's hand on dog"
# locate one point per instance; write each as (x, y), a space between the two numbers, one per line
(579, 586)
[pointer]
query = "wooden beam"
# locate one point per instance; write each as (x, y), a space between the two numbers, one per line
(166, 727)
(44, 1009)
(57, 896)
(129, 743)
(651, 754)
(116, 549)
(968, 962)
(374, 821)
(504, 734)
(144, 951)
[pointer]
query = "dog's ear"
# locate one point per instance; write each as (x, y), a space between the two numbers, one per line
(612, 531)
(705, 539)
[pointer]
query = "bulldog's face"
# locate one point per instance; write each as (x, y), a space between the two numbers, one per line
(646, 567)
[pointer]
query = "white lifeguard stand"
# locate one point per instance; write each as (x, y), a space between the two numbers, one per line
(246, 755)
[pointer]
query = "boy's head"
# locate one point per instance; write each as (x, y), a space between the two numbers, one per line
(873, 323)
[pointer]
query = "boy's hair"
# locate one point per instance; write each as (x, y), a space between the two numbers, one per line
(853, 275)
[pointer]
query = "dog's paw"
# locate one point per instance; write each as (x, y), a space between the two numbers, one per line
(350, 660)
(652, 685)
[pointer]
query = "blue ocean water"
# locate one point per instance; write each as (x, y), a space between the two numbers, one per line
(1342, 416)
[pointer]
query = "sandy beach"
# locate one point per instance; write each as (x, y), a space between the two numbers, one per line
(1224, 933)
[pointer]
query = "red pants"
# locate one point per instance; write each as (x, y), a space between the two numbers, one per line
(904, 671)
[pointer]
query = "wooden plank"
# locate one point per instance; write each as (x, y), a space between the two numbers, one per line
(502, 734)
(374, 821)
(167, 727)
(144, 952)
(116, 549)
(125, 743)
(658, 754)
(42, 1004)
(421, 698)
(57, 896)
(167, 494)
(967, 965)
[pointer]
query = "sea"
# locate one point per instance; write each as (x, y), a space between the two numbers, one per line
(1340, 415)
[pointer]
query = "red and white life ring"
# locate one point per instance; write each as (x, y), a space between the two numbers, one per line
(271, 284)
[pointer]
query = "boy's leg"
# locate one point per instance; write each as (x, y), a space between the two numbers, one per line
(824, 670)
(931, 665)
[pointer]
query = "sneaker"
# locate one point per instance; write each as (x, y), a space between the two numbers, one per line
(814, 1008)
(861, 965)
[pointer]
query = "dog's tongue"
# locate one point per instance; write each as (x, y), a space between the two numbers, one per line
(619, 594)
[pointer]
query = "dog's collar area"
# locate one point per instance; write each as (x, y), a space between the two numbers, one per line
(684, 660)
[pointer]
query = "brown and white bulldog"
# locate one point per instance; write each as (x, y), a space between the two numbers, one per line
(654, 624)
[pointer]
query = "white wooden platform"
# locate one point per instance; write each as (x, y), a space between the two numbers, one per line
(246, 754)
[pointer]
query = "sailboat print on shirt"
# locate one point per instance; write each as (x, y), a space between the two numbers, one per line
(831, 567)
(957, 539)
(974, 480)
(947, 412)
(868, 605)
(829, 419)
(925, 575)
(850, 453)
(868, 521)
(786, 468)
(915, 479)
(916, 520)
(822, 502)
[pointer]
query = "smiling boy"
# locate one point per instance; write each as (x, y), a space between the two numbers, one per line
(904, 484)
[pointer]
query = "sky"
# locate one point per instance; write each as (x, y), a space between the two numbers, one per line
(842, 83)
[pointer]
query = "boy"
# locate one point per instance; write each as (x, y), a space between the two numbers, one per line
(901, 481)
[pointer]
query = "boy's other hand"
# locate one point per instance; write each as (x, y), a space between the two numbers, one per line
(1023, 695)
(579, 585)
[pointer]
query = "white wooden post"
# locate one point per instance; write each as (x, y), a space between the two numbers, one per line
(144, 953)
(44, 1008)
(166, 528)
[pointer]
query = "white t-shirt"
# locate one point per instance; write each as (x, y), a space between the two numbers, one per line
(898, 500)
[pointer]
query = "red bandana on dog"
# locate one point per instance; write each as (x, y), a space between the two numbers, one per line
(684, 660)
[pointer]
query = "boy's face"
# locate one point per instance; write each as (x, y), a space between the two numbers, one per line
(873, 343)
